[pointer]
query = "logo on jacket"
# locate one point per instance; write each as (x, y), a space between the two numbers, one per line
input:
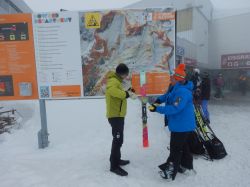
(177, 101)
(118, 135)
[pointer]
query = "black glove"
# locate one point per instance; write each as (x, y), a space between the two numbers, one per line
(152, 108)
(165, 121)
(127, 94)
(157, 101)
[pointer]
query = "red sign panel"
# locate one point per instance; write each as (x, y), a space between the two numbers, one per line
(235, 61)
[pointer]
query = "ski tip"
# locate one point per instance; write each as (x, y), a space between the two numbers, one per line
(145, 144)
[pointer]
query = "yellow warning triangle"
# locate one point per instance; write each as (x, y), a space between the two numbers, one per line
(92, 22)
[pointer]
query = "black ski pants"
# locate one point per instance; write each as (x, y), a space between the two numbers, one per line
(117, 125)
(179, 151)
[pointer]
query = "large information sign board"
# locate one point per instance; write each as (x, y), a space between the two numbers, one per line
(58, 58)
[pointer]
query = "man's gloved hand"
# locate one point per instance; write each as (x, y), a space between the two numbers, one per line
(131, 93)
(157, 102)
(152, 108)
(131, 90)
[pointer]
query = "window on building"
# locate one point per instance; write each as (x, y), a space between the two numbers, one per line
(185, 24)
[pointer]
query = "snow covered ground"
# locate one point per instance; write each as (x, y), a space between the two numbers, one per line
(80, 141)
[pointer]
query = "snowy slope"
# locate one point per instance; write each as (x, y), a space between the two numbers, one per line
(80, 141)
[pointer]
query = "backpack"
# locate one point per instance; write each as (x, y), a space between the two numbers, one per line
(213, 147)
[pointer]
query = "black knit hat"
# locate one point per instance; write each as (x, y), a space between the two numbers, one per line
(122, 69)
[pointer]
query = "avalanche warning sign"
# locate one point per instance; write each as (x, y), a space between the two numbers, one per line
(92, 20)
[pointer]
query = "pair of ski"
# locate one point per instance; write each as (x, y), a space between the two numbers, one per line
(144, 101)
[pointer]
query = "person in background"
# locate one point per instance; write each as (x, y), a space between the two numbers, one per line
(243, 83)
(116, 108)
(219, 84)
(205, 94)
(179, 109)
(196, 79)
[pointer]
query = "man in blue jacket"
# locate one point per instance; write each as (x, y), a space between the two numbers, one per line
(179, 110)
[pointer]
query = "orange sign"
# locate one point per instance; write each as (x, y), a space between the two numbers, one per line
(156, 83)
(17, 58)
(66, 91)
(161, 16)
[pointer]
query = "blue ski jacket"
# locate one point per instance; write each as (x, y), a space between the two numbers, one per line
(179, 108)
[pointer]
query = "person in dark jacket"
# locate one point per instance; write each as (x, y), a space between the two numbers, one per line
(196, 79)
(181, 122)
(116, 108)
(219, 83)
(205, 94)
(243, 83)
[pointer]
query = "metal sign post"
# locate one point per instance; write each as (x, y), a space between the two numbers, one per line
(43, 134)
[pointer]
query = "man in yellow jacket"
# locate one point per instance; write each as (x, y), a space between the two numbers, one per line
(116, 106)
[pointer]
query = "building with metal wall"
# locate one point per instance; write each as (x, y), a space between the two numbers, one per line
(13, 6)
(229, 36)
(229, 50)
(217, 45)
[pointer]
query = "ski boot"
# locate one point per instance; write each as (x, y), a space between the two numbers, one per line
(186, 171)
(119, 171)
(167, 171)
(123, 162)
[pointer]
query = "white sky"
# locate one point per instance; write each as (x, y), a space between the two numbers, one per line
(230, 4)
(54, 5)
(222, 8)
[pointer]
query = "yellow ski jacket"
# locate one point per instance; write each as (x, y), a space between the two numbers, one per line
(116, 102)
